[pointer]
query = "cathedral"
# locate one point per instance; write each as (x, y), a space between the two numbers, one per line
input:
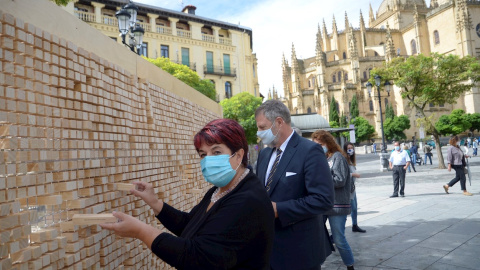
(344, 58)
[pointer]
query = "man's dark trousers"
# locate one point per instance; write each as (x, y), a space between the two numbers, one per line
(399, 176)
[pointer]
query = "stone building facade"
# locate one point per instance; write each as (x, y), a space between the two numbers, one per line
(343, 58)
(218, 51)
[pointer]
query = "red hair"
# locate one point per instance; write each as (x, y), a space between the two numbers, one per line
(329, 141)
(225, 131)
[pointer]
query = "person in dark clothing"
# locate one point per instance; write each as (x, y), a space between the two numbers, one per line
(231, 228)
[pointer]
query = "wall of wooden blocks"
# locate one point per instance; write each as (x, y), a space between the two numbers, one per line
(72, 125)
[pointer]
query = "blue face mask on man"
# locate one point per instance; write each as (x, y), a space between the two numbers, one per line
(267, 136)
(217, 169)
(397, 148)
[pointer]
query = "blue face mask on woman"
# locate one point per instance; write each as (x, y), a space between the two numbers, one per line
(217, 169)
(325, 149)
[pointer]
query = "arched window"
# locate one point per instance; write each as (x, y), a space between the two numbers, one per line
(339, 76)
(309, 84)
(309, 110)
(344, 55)
(436, 37)
(334, 78)
(386, 102)
(370, 104)
(365, 75)
(228, 90)
(413, 44)
(296, 110)
(376, 54)
(346, 76)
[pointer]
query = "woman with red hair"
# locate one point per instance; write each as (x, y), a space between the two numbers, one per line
(233, 225)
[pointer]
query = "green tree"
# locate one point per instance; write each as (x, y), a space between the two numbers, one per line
(394, 127)
(389, 112)
(354, 111)
(186, 75)
(334, 112)
(62, 2)
(241, 108)
(363, 129)
(474, 119)
(454, 123)
(437, 79)
(343, 120)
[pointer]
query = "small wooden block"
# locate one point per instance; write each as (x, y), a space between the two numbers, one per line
(125, 186)
(194, 191)
(93, 219)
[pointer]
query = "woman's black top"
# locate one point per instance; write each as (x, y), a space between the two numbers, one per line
(236, 233)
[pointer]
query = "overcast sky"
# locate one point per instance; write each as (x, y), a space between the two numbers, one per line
(276, 24)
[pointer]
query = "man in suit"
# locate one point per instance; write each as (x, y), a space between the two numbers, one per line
(297, 177)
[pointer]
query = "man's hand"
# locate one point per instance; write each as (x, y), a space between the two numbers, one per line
(274, 204)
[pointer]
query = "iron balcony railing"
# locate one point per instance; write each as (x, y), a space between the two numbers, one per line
(219, 70)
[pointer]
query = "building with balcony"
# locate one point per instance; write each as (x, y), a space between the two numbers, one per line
(343, 58)
(217, 51)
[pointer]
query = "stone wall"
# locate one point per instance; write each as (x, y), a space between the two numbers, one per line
(79, 114)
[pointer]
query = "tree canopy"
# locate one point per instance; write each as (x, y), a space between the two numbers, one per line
(389, 112)
(394, 127)
(186, 75)
(474, 119)
(454, 123)
(241, 108)
(334, 112)
(62, 2)
(363, 129)
(436, 79)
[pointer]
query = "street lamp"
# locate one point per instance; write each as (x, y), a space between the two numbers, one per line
(127, 22)
(378, 80)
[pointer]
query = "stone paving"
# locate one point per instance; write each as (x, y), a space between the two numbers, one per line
(427, 229)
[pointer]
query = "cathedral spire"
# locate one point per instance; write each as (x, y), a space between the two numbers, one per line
(415, 14)
(352, 44)
(347, 24)
(294, 60)
(362, 22)
(389, 46)
(325, 33)
(318, 49)
(371, 17)
(334, 25)
(464, 20)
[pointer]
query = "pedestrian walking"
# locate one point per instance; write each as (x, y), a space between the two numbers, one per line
(414, 152)
(412, 164)
(399, 161)
(469, 142)
(427, 150)
(340, 172)
(374, 147)
(465, 147)
(475, 146)
(456, 160)
(349, 148)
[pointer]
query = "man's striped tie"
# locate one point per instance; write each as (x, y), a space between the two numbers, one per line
(273, 169)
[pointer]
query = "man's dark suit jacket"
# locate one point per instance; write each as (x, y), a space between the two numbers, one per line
(302, 188)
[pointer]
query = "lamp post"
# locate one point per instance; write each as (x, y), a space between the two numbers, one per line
(127, 23)
(383, 154)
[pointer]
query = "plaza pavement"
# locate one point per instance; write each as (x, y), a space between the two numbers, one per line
(427, 229)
